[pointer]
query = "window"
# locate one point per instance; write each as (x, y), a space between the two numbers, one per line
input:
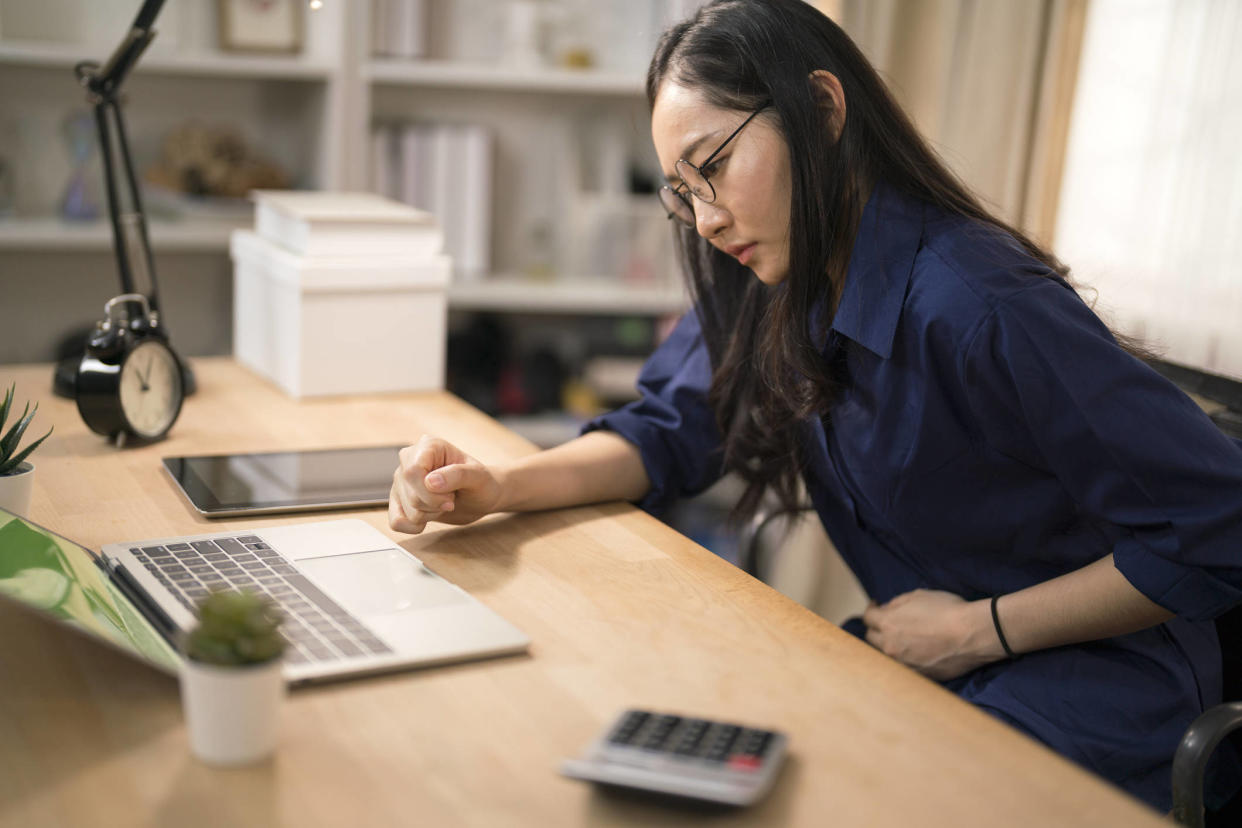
(1151, 205)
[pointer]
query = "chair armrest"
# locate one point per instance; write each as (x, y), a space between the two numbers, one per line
(749, 538)
(1190, 760)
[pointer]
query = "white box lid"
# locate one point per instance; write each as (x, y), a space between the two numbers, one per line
(340, 273)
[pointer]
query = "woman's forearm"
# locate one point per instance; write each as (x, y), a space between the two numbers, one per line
(596, 467)
(1085, 605)
(943, 636)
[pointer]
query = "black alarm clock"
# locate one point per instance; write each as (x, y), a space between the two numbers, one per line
(129, 383)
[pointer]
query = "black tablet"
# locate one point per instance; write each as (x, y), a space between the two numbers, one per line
(225, 485)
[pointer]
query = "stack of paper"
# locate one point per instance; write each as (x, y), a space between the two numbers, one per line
(361, 225)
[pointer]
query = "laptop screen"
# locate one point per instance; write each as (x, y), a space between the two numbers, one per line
(57, 577)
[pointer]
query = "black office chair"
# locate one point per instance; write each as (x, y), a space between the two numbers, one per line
(1206, 733)
(750, 539)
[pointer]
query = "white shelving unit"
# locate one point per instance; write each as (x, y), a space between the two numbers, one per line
(210, 236)
(459, 75)
(203, 64)
(292, 107)
(313, 112)
(522, 295)
(499, 293)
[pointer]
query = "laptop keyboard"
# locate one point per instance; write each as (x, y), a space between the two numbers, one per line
(316, 627)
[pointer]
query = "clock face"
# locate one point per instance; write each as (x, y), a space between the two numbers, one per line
(150, 389)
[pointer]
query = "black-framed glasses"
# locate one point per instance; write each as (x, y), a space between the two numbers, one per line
(696, 179)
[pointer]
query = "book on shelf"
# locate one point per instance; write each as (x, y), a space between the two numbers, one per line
(445, 169)
(313, 223)
(476, 195)
(386, 162)
(399, 28)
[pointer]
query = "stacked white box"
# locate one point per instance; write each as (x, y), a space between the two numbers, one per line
(345, 322)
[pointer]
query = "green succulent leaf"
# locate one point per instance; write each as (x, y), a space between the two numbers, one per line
(10, 459)
(4, 408)
(235, 628)
(8, 444)
(11, 465)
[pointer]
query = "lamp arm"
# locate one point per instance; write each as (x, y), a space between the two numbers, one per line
(146, 15)
(140, 34)
(129, 229)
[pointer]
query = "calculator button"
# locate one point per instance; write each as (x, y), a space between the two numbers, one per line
(744, 763)
(720, 743)
(759, 745)
(691, 736)
(659, 731)
(634, 719)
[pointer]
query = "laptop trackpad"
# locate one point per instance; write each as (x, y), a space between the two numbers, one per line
(379, 583)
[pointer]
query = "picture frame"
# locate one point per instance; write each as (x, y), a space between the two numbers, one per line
(266, 26)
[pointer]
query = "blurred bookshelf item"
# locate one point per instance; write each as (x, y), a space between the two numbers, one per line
(399, 28)
(445, 169)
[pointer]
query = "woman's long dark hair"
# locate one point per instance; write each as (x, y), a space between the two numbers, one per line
(768, 376)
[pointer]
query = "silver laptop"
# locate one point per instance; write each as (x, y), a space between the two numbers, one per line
(353, 601)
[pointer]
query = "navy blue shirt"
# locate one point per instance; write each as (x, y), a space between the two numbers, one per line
(993, 435)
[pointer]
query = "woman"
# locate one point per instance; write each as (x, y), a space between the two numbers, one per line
(1043, 523)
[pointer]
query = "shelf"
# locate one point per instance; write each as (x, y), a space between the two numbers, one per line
(204, 64)
(457, 74)
(514, 294)
(50, 234)
(500, 293)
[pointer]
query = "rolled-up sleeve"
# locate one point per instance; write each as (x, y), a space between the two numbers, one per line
(671, 423)
(1049, 386)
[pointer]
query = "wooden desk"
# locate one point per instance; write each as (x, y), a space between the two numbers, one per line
(621, 609)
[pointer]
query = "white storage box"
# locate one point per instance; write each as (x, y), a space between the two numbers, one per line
(338, 325)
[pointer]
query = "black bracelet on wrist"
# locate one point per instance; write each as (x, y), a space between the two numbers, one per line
(999, 634)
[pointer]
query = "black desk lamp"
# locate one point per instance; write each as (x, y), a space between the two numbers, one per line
(130, 241)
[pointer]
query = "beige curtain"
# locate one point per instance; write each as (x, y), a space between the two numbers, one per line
(989, 82)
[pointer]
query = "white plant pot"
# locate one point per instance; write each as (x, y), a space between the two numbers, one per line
(15, 490)
(232, 714)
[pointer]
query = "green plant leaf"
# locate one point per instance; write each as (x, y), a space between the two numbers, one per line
(9, 442)
(4, 408)
(10, 466)
(235, 628)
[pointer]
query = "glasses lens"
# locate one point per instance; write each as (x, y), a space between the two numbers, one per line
(695, 182)
(677, 206)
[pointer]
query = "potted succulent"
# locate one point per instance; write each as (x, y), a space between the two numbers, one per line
(231, 680)
(16, 473)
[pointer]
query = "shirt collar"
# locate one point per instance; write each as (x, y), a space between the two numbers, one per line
(889, 234)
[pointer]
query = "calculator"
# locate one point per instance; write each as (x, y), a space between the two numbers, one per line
(696, 758)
